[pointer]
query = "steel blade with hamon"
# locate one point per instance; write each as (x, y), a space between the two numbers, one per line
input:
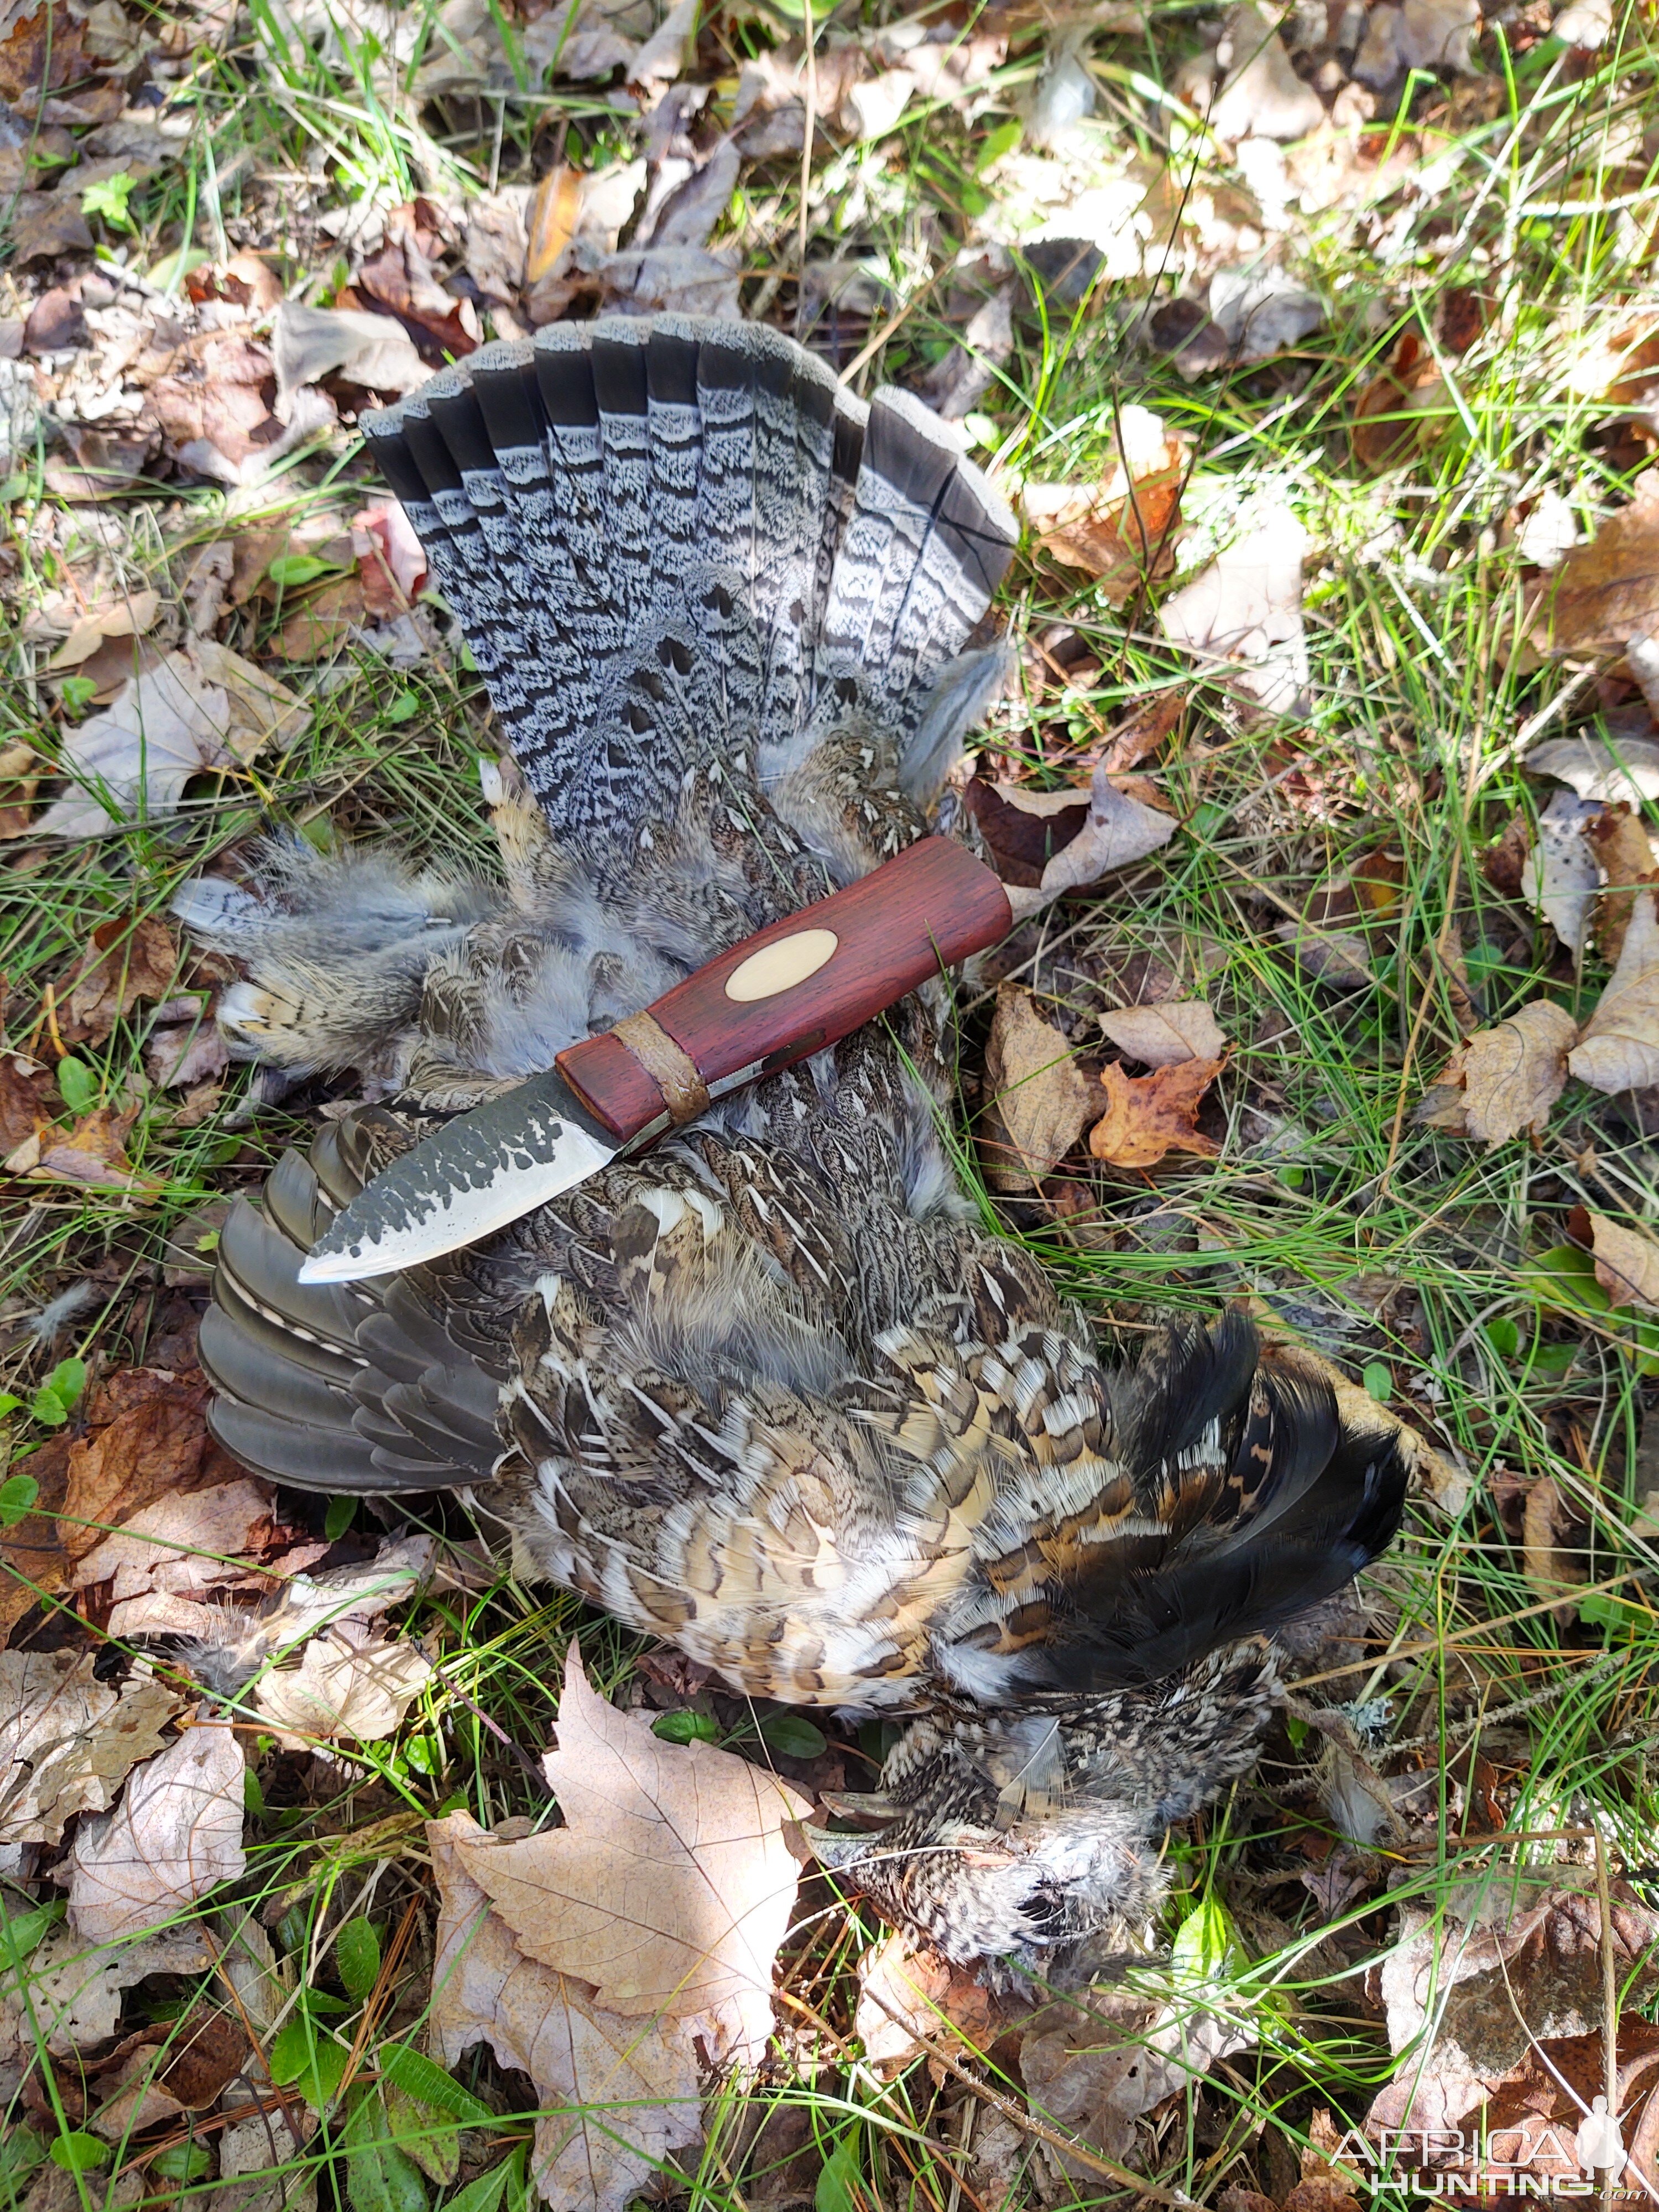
(789, 990)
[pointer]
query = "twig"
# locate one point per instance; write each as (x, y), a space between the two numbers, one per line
(1610, 2174)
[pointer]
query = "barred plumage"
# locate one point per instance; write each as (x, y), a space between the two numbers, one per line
(773, 1391)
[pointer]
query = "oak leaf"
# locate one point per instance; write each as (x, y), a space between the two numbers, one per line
(1512, 1074)
(1040, 1095)
(1618, 1047)
(670, 1886)
(1626, 1262)
(1148, 1116)
(1166, 1035)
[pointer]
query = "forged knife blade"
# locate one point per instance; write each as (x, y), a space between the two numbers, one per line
(789, 990)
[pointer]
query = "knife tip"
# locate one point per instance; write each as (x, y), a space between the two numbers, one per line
(335, 1267)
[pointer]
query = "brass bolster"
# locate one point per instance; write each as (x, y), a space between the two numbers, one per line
(672, 1070)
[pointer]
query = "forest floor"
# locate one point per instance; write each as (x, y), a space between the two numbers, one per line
(1321, 362)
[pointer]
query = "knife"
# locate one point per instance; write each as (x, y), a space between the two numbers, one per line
(789, 990)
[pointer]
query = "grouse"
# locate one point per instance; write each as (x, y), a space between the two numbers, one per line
(773, 1391)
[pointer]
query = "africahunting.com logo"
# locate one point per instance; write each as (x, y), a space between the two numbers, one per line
(1478, 2166)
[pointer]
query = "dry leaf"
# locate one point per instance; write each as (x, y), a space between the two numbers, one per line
(67, 1740)
(371, 351)
(184, 1544)
(202, 706)
(1163, 1035)
(1092, 2070)
(670, 1886)
(1117, 830)
(1513, 1074)
(617, 2095)
(1624, 854)
(1618, 1047)
(125, 617)
(1626, 1262)
(1467, 2002)
(569, 210)
(1559, 879)
(1041, 1098)
(1608, 591)
(911, 1996)
(1596, 768)
(346, 1685)
(1243, 616)
(1149, 1115)
(1260, 96)
(72, 1996)
(130, 961)
(178, 1834)
(401, 276)
(1113, 530)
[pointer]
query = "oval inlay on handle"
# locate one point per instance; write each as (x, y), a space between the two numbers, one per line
(778, 966)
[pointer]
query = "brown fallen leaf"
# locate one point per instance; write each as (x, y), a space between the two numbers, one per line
(1513, 1074)
(617, 2095)
(90, 1154)
(1163, 1035)
(1607, 592)
(128, 961)
(1397, 408)
(176, 1835)
(571, 209)
(1149, 1115)
(146, 1438)
(1041, 1097)
(1626, 1262)
(47, 225)
(1624, 854)
(375, 352)
(40, 52)
(1122, 532)
(1240, 618)
(670, 1886)
(1117, 829)
(72, 1996)
(1617, 1048)
(1092, 2067)
(186, 1544)
(1469, 2001)
(402, 279)
(67, 1740)
(349, 1685)
(910, 1997)
(128, 616)
(210, 409)
(202, 707)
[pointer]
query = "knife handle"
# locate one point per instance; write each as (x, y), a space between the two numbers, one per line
(790, 989)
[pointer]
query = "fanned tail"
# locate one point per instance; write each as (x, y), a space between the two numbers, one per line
(679, 545)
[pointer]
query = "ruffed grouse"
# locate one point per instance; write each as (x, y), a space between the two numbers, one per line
(773, 1391)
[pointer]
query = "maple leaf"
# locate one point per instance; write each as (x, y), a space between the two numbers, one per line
(1148, 1116)
(670, 1885)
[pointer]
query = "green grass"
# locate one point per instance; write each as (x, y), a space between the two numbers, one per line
(1401, 1251)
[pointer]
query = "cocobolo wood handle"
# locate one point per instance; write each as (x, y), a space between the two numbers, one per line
(791, 989)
